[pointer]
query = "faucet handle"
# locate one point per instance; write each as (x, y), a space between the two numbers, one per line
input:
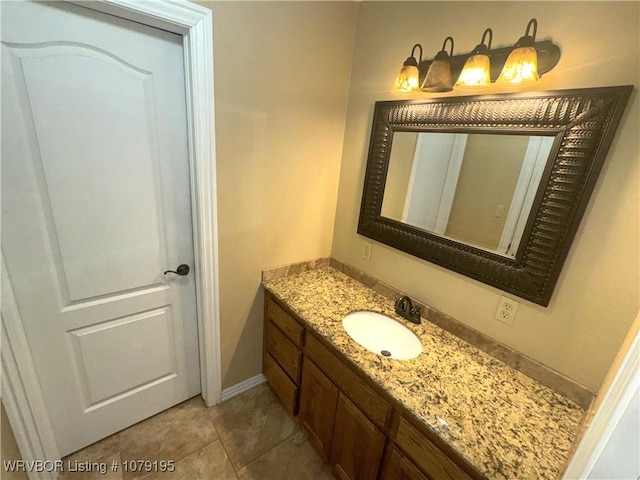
(398, 302)
(403, 304)
(404, 307)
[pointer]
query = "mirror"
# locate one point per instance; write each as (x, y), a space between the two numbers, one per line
(492, 187)
(473, 188)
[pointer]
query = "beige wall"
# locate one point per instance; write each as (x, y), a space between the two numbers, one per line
(596, 298)
(488, 178)
(281, 81)
(282, 74)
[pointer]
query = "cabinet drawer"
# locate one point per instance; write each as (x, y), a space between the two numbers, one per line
(425, 454)
(281, 384)
(283, 351)
(365, 398)
(290, 327)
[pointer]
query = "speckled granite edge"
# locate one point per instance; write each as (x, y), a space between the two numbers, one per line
(516, 360)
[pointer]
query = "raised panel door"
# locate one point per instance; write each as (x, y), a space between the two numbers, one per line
(357, 446)
(95, 207)
(318, 400)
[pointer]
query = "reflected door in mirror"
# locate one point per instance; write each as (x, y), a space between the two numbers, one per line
(476, 189)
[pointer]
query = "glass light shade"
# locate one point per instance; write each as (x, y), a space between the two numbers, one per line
(438, 77)
(521, 67)
(476, 73)
(407, 80)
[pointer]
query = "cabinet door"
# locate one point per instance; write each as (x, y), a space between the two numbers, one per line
(398, 467)
(318, 399)
(357, 444)
(375, 407)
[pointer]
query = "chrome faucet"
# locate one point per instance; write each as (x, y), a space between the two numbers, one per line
(404, 307)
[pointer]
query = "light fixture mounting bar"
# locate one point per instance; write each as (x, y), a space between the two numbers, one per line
(548, 57)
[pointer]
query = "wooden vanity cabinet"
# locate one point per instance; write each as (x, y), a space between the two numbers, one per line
(372, 404)
(339, 431)
(332, 401)
(361, 432)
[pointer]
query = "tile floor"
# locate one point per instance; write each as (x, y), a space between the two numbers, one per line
(247, 437)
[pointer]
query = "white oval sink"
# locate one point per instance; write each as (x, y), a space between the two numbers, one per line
(382, 335)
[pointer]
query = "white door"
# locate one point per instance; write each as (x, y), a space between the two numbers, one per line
(434, 177)
(95, 207)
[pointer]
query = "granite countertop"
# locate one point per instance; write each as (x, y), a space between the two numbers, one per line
(504, 423)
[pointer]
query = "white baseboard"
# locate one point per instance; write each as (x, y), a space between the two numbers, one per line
(241, 387)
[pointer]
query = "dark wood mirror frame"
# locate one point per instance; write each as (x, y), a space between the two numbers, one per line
(583, 122)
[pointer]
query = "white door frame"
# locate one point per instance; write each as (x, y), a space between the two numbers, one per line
(20, 389)
(615, 396)
(535, 159)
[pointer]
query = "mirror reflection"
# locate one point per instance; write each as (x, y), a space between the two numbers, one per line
(476, 189)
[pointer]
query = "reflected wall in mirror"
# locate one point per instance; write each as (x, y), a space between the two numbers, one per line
(492, 187)
(476, 189)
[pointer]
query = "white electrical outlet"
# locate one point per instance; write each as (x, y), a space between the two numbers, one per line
(366, 250)
(507, 310)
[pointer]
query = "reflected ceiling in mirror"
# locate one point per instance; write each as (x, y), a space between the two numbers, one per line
(476, 189)
(576, 127)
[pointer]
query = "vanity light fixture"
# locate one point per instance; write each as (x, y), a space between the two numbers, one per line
(521, 67)
(476, 72)
(438, 77)
(518, 65)
(409, 77)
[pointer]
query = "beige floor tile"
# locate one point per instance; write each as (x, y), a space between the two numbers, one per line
(254, 431)
(292, 459)
(103, 448)
(251, 424)
(170, 435)
(208, 463)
